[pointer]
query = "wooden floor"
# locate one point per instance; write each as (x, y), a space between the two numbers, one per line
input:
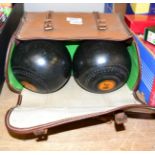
(84, 135)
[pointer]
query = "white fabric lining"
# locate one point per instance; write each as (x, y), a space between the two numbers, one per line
(70, 101)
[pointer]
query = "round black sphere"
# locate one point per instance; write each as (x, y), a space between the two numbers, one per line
(41, 66)
(101, 66)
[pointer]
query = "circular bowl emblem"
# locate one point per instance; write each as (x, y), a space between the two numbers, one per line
(106, 85)
(29, 85)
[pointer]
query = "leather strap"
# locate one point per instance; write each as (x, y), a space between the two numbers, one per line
(100, 23)
(120, 117)
(41, 134)
(48, 25)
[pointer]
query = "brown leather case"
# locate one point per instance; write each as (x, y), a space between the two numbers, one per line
(36, 113)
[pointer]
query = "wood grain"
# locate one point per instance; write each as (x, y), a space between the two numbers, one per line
(85, 135)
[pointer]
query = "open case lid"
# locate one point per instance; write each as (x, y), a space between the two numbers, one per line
(72, 26)
(38, 112)
(69, 104)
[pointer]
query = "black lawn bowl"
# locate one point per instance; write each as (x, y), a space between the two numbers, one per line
(101, 66)
(41, 66)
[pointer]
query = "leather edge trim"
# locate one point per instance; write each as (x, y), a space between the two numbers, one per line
(7, 65)
(67, 120)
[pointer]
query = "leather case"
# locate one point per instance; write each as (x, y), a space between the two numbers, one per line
(36, 113)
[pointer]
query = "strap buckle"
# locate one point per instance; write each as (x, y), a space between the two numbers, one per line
(48, 25)
(100, 23)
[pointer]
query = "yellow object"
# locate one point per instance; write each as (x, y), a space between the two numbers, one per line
(140, 8)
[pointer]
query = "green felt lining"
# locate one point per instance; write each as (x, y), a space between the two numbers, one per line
(12, 79)
(135, 70)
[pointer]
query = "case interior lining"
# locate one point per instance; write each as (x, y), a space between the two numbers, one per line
(70, 101)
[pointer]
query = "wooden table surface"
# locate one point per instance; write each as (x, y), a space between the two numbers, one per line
(139, 134)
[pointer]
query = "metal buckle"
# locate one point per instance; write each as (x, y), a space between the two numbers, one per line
(100, 23)
(48, 22)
